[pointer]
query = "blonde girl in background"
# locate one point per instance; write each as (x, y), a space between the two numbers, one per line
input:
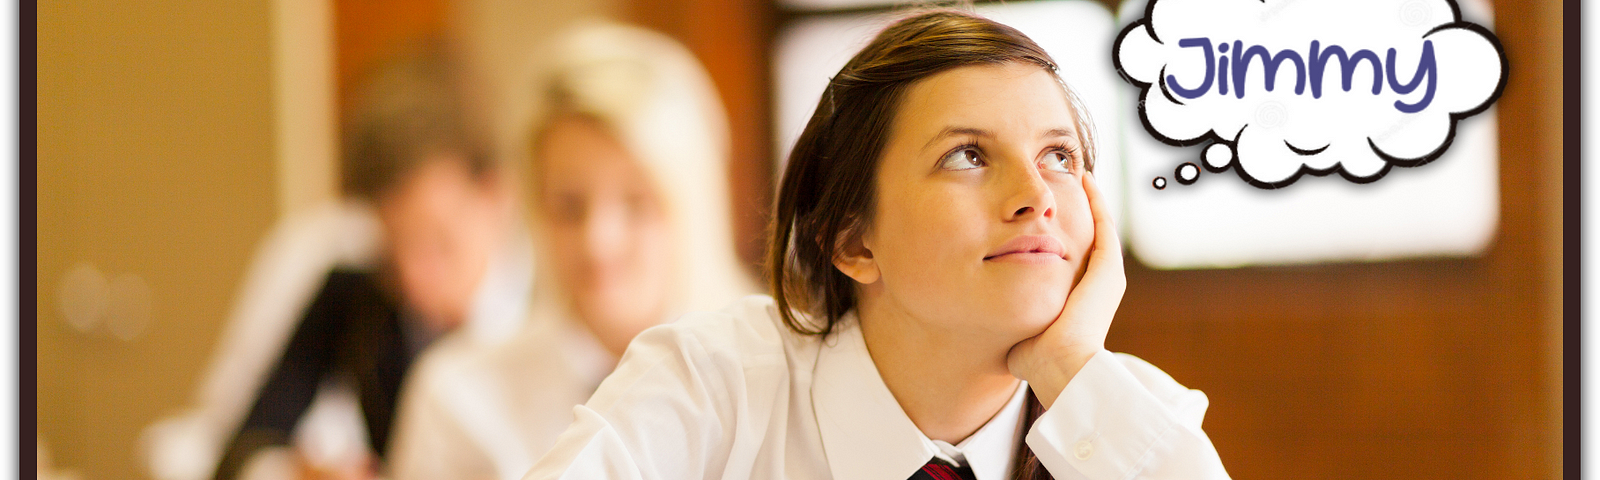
(632, 225)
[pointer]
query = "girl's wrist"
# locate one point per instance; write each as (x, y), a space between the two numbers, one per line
(1057, 373)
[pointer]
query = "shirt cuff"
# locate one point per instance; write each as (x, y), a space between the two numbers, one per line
(1104, 425)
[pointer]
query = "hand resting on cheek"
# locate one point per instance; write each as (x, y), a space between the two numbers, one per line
(1049, 360)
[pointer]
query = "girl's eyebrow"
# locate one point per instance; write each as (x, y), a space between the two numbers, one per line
(1057, 132)
(958, 131)
(953, 131)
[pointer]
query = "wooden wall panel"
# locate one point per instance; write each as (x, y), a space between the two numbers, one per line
(367, 31)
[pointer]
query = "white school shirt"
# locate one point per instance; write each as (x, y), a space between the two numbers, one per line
(479, 408)
(735, 394)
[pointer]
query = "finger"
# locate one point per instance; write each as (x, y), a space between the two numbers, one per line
(1100, 289)
(1107, 242)
(1104, 266)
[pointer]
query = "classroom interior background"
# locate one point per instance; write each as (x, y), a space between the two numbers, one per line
(172, 135)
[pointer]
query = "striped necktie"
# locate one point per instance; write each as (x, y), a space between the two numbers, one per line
(937, 469)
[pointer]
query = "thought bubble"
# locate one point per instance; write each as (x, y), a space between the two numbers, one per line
(1285, 88)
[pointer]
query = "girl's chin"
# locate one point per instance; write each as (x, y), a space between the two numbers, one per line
(1034, 316)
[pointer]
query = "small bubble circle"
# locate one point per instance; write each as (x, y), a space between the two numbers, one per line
(1160, 183)
(82, 297)
(1218, 156)
(1187, 173)
(128, 306)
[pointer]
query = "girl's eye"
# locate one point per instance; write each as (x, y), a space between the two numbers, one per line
(1058, 161)
(961, 159)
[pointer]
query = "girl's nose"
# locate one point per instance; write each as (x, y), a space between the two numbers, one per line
(1028, 196)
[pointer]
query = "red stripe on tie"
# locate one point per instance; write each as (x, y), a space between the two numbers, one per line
(941, 471)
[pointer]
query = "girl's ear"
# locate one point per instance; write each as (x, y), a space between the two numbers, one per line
(854, 258)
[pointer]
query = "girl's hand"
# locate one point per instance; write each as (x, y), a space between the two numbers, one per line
(1050, 360)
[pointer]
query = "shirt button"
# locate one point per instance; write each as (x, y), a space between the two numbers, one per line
(1083, 450)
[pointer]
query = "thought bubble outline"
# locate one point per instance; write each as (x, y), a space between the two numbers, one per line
(1389, 161)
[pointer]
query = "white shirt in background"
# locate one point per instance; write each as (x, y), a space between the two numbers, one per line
(735, 394)
(480, 407)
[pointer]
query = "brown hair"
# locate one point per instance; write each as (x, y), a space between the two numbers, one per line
(407, 110)
(828, 188)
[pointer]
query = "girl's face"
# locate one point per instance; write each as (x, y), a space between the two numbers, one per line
(981, 224)
(607, 232)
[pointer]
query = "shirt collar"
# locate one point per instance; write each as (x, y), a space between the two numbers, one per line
(865, 433)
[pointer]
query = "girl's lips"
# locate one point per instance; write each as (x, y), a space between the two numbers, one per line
(1029, 248)
(1027, 258)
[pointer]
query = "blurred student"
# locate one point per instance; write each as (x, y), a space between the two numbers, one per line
(287, 270)
(631, 210)
(451, 256)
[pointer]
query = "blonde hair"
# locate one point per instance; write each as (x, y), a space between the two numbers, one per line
(651, 93)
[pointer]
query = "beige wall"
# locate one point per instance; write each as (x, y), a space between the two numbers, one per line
(155, 160)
